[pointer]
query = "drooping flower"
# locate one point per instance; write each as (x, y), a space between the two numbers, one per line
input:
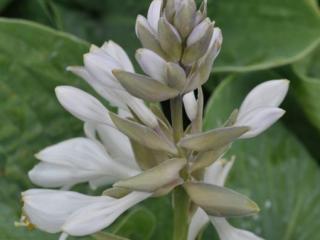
(80, 160)
(73, 213)
(260, 109)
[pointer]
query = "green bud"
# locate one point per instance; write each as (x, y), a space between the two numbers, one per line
(170, 40)
(184, 18)
(155, 178)
(144, 87)
(213, 139)
(142, 134)
(176, 76)
(198, 42)
(219, 201)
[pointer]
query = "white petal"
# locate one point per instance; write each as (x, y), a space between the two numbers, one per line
(199, 220)
(259, 120)
(217, 173)
(228, 232)
(48, 209)
(152, 64)
(100, 215)
(82, 105)
(267, 94)
(190, 105)
(119, 54)
(154, 14)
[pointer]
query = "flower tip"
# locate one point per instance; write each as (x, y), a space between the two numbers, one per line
(255, 208)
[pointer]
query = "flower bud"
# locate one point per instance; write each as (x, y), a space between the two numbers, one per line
(220, 202)
(184, 18)
(212, 140)
(170, 40)
(147, 37)
(156, 177)
(198, 42)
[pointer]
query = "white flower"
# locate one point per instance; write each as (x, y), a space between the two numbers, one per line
(259, 109)
(97, 71)
(84, 160)
(217, 174)
(73, 213)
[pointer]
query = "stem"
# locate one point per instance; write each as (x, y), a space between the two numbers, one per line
(181, 205)
(180, 199)
(176, 117)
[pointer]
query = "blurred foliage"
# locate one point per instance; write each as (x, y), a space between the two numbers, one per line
(263, 39)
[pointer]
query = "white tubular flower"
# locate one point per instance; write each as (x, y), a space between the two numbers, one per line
(82, 105)
(97, 72)
(73, 213)
(190, 105)
(75, 161)
(217, 174)
(96, 217)
(259, 109)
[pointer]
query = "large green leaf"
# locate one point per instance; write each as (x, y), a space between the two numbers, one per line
(307, 86)
(273, 169)
(259, 34)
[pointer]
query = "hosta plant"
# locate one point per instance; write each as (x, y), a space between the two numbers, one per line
(138, 150)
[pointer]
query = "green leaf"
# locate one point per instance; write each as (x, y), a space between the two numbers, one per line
(33, 59)
(306, 86)
(264, 33)
(273, 169)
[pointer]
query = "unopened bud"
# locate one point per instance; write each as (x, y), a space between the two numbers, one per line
(170, 40)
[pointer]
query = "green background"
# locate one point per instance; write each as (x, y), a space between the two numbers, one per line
(263, 39)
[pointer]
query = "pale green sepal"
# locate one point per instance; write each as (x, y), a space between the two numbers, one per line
(108, 236)
(143, 134)
(213, 139)
(219, 201)
(169, 39)
(195, 51)
(144, 87)
(167, 188)
(155, 178)
(176, 76)
(205, 159)
(116, 192)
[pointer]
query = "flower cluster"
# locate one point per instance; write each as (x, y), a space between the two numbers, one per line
(138, 150)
